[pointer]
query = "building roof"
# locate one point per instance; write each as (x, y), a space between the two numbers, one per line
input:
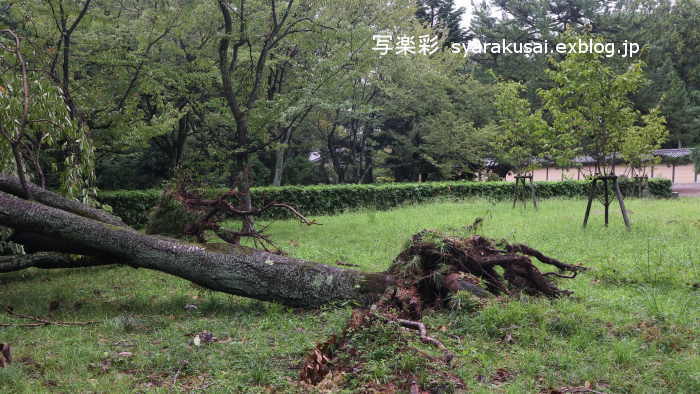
(673, 153)
(585, 159)
(679, 152)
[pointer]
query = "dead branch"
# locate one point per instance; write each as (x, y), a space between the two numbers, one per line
(344, 264)
(22, 324)
(40, 321)
(219, 209)
(558, 275)
(423, 333)
(425, 338)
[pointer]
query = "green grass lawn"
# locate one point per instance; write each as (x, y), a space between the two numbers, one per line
(632, 324)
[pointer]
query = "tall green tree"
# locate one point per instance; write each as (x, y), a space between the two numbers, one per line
(521, 137)
(431, 119)
(443, 15)
(642, 139)
(34, 117)
(592, 113)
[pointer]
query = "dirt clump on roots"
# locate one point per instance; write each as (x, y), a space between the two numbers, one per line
(375, 354)
(433, 272)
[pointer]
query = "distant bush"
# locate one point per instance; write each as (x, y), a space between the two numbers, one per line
(134, 206)
(169, 217)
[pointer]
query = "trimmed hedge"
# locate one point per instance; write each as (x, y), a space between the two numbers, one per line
(133, 206)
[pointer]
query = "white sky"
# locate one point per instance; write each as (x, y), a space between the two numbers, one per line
(467, 4)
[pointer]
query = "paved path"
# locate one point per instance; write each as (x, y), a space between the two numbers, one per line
(687, 189)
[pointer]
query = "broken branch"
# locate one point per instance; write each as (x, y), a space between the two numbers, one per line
(42, 322)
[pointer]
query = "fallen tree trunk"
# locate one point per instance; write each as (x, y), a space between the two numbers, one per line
(49, 261)
(52, 223)
(246, 272)
(12, 185)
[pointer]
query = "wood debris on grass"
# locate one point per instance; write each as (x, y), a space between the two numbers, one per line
(428, 274)
(38, 322)
(5, 355)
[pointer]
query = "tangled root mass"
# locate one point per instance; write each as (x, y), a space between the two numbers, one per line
(433, 269)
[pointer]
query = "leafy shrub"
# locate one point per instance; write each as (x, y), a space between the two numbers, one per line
(169, 217)
(133, 206)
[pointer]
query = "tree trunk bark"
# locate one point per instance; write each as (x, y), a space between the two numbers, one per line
(280, 158)
(279, 166)
(19, 162)
(241, 271)
(180, 140)
(11, 185)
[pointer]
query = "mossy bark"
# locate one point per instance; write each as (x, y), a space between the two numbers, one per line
(253, 273)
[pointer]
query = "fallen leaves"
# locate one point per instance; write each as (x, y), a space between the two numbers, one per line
(586, 388)
(316, 365)
(499, 377)
(206, 337)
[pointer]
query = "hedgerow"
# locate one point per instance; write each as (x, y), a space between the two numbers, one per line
(133, 205)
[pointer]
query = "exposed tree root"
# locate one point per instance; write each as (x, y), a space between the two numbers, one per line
(425, 338)
(432, 270)
(435, 266)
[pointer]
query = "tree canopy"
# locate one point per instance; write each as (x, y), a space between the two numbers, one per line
(252, 92)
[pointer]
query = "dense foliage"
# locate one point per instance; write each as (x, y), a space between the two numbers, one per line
(257, 92)
(593, 114)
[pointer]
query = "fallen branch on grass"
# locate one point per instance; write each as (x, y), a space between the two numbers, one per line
(39, 321)
(423, 333)
(432, 271)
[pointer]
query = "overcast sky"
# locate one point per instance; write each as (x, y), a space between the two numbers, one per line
(467, 4)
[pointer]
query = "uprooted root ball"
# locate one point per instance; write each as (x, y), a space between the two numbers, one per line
(435, 266)
(435, 270)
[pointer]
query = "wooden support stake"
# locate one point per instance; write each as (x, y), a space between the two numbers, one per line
(591, 194)
(618, 193)
(520, 190)
(606, 201)
(534, 194)
(673, 174)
